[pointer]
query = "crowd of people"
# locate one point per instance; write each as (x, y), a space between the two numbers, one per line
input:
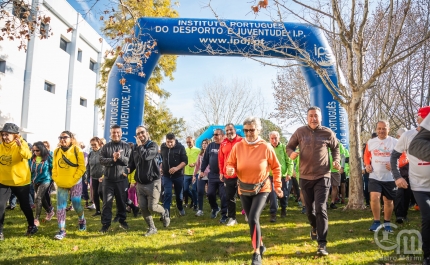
(139, 176)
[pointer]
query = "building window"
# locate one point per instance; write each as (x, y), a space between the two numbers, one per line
(92, 65)
(83, 102)
(63, 44)
(80, 55)
(44, 30)
(50, 87)
(21, 11)
(2, 66)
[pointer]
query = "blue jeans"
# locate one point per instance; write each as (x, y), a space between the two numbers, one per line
(167, 184)
(191, 193)
(201, 191)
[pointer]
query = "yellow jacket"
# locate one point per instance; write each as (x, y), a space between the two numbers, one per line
(14, 168)
(64, 175)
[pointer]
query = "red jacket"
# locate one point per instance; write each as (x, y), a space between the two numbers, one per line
(224, 151)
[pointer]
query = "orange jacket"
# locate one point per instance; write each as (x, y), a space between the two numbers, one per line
(253, 162)
(224, 151)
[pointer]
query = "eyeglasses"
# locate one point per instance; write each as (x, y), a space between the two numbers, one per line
(36, 150)
(141, 132)
(216, 134)
(63, 137)
(248, 130)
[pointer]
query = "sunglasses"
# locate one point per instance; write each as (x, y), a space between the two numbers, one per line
(63, 137)
(216, 134)
(248, 130)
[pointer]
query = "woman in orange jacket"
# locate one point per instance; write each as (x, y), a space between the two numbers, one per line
(252, 159)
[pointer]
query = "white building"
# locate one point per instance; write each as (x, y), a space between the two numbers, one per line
(52, 87)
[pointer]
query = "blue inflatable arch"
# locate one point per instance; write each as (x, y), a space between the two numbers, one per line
(189, 36)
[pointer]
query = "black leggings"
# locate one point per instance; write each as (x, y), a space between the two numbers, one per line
(253, 206)
(21, 192)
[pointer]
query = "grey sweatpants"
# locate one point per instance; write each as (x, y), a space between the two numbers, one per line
(148, 196)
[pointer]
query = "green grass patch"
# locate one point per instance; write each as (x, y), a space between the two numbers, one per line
(200, 240)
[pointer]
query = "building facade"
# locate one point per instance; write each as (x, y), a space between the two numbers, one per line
(52, 87)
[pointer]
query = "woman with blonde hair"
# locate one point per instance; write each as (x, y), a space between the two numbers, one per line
(15, 174)
(67, 171)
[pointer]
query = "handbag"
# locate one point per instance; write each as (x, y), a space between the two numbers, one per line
(248, 189)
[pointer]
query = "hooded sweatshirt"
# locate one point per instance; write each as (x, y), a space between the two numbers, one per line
(253, 162)
(210, 158)
(41, 172)
(14, 168)
(64, 175)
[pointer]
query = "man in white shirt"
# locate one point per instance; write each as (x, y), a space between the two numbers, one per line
(419, 172)
(381, 181)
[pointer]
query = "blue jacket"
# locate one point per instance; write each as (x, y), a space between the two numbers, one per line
(211, 158)
(42, 172)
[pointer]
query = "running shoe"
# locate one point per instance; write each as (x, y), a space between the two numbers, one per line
(97, 213)
(166, 218)
(123, 225)
(273, 217)
(50, 214)
(256, 259)
(31, 230)
(374, 226)
(199, 213)
(303, 210)
(151, 231)
(333, 206)
(215, 212)
(116, 219)
(105, 228)
(92, 207)
(231, 222)
(60, 235)
(182, 212)
(388, 228)
(223, 219)
(322, 250)
(262, 250)
(82, 225)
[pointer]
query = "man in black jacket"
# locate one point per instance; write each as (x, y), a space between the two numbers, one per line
(114, 157)
(174, 161)
(214, 183)
(147, 176)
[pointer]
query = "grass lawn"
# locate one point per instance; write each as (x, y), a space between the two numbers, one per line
(199, 240)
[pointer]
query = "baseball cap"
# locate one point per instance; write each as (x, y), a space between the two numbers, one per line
(424, 111)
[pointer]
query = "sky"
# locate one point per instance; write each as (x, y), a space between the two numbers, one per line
(193, 72)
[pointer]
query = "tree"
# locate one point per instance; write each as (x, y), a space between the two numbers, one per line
(269, 126)
(219, 102)
(23, 22)
(386, 32)
(291, 95)
(119, 26)
(160, 121)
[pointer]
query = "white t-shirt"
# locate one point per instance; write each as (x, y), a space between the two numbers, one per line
(419, 170)
(381, 153)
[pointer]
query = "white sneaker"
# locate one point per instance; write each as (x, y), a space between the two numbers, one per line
(231, 222)
(199, 213)
(92, 207)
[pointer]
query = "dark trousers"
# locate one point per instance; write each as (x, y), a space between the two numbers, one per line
(201, 184)
(366, 188)
(253, 206)
(177, 182)
(190, 192)
(85, 195)
(113, 190)
(422, 198)
(315, 193)
(295, 185)
(48, 194)
(273, 198)
(402, 200)
(230, 186)
(215, 184)
(97, 193)
(21, 192)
